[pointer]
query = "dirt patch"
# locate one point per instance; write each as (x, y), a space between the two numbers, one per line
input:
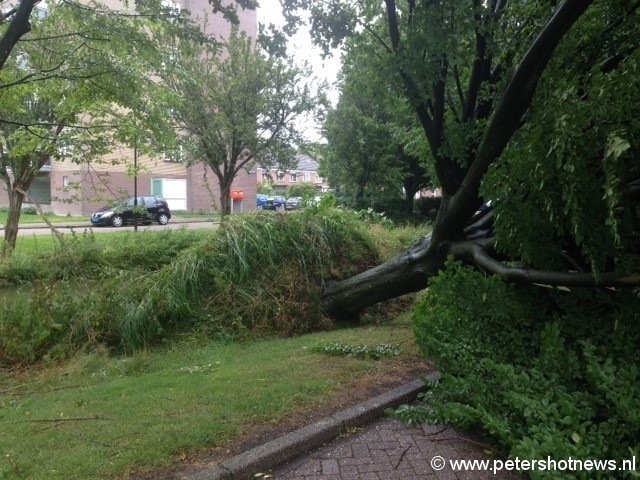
(370, 385)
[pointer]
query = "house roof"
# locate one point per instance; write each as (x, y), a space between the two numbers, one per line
(306, 164)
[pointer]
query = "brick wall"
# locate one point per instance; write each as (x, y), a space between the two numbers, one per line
(203, 185)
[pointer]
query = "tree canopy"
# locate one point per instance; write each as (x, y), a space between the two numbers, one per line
(515, 100)
(238, 107)
(69, 87)
(375, 153)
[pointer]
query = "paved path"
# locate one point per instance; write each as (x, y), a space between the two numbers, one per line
(357, 443)
(389, 450)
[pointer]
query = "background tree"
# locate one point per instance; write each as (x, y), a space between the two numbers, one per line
(67, 91)
(238, 107)
(373, 157)
(304, 190)
(471, 76)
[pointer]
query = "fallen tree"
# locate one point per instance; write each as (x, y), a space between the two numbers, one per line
(473, 77)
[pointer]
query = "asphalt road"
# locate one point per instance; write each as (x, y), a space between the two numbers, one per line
(42, 229)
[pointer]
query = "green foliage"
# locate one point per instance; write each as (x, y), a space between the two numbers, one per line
(265, 188)
(256, 274)
(305, 190)
(375, 352)
(370, 216)
(29, 211)
(238, 107)
(561, 183)
(541, 372)
(374, 151)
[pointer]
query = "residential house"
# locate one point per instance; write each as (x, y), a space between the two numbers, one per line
(68, 188)
(305, 170)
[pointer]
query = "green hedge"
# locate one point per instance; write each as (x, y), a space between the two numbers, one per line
(541, 372)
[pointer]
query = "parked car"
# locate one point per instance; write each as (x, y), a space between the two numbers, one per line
(293, 203)
(150, 209)
(261, 200)
(274, 203)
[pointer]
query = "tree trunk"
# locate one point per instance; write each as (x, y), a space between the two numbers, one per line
(225, 199)
(405, 273)
(409, 197)
(13, 218)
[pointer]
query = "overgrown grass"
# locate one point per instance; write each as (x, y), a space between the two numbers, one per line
(257, 274)
(104, 417)
(85, 255)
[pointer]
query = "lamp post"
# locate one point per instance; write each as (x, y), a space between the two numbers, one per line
(135, 183)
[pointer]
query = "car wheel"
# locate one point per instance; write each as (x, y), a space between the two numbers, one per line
(117, 221)
(163, 219)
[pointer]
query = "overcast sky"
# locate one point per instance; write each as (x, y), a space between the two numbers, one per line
(302, 48)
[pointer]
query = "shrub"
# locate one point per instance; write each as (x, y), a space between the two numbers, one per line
(29, 211)
(541, 372)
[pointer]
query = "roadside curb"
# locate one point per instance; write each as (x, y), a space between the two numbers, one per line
(293, 444)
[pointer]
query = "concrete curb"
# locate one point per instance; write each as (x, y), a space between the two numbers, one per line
(293, 444)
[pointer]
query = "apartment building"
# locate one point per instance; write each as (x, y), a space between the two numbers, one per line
(68, 188)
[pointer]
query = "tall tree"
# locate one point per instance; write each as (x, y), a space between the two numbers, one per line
(238, 107)
(471, 74)
(67, 90)
(373, 155)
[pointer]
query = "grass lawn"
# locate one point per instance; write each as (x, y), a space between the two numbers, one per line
(31, 218)
(103, 417)
(44, 244)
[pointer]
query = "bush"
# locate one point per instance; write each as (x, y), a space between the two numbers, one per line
(541, 372)
(428, 206)
(29, 211)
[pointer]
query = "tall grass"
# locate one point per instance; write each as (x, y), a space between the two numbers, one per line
(94, 256)
(255, 274)
(261, 273)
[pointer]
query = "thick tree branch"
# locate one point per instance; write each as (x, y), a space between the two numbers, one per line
(18, 27)
(506, 119)
(475, 253)
(479, 71)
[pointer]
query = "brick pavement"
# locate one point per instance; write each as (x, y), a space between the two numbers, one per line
(389, 450)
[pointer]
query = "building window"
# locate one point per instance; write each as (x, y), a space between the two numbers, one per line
(280, 175)
(294, 177)
(65, 181)
(307, 176)
(319, 179)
